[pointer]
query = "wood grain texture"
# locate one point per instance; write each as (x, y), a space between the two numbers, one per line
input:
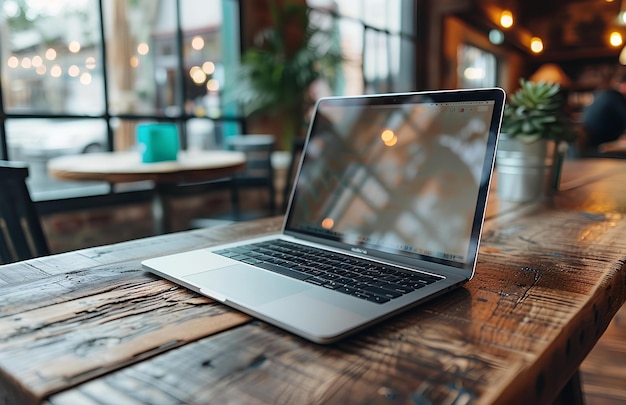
(604, 370)
(77, 318)
(511, 335)
(550, 277)
(108, 324)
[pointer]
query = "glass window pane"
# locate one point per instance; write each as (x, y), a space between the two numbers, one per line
(351, 33)
(394, 59)
(141, 56)
(378, 43)
(407, 15)
(375, 13)
(376, 62)
(477, 68)
(51, 57)
(350, 8)
(36, 141)
(203, 69)
(405, 79)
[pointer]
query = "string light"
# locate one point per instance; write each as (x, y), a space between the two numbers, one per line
(143, 49)
(197, 43)
(506, 19)
(536, 45)
(615, 39)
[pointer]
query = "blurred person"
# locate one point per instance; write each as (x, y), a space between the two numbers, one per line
(604, 120)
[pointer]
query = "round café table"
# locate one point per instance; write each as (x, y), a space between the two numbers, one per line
(123, 167)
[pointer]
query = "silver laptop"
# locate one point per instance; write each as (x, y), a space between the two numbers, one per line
(386, 212)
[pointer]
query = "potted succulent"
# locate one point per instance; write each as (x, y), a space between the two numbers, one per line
(534, 138)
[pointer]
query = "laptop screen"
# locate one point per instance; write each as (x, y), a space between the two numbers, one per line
(403, 174)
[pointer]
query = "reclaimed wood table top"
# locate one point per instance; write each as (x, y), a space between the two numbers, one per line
(92, 327)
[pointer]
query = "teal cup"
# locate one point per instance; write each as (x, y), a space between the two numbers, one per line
(157, 142)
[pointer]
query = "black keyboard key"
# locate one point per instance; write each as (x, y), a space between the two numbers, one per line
(333, 285)
(284, 271)
(377, 299)
(399, 288)
(383, 292)
(350, 275)
(361, 294)
(316, 280)
(251, 260)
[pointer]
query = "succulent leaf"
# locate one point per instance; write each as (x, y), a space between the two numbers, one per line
(534, 112)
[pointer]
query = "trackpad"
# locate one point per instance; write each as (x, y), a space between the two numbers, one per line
(242, 284)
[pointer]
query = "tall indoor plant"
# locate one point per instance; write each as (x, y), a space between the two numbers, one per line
(534, 138)
(278, 71)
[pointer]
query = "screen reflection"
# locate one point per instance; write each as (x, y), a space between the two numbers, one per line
(395, 177)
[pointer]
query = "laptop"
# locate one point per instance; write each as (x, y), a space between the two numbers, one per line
(386, 212)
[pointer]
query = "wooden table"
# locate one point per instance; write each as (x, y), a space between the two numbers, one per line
(122, 167)
(92, 327)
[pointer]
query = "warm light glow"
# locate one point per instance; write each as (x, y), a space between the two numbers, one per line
(74, 47)
(474, 73)
(208, 67)
(197, 75)
(621, 18)
(506, 19)
(134, 61)
(26, 63)
(85, 78)
(615, 39)
(550, 73)
(73, 71)
(197, 43)
(387, 135)
(90, 63)
(536, 45)
(55, 71)
(51, 54)
(37, 61)
(392, 142)
(328, 223)
(41, 70)
(143, 48)
(213, 85)
(13, 62)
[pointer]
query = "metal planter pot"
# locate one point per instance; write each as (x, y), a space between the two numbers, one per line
(527, 171)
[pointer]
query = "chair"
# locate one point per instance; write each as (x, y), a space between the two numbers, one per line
(258, 173)
(21, 234)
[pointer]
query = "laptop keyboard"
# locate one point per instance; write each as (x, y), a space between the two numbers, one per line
(360, 278)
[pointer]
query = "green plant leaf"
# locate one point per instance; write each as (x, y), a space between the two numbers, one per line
(534, 110)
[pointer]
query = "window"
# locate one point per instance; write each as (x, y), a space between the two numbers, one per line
(378, 40)
(477, 68)
(77, 76)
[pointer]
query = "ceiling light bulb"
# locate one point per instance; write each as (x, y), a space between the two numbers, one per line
(506, 19)
(616, 39)
(536, 45)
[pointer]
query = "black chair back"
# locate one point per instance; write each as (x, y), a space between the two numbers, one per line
(21, 233)
(259, 171)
